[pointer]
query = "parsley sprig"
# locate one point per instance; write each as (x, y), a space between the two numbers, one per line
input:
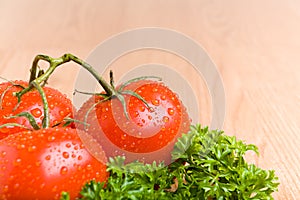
(207, 165)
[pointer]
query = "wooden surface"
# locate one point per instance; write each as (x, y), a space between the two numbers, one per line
(255, 45)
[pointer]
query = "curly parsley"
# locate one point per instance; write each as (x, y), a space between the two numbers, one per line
(207, 165)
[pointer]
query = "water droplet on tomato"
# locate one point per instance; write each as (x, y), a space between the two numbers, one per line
(123, 137)
(54, 189)
(104, 109)
(139, 124)
(36, 112)
(83, 176)
(63, 170)
(48, 157)
(165, 119)
(163, 97)
(31, 148)
(116, 152)
(98, 174)
(132, 145)
(16, 185)
(42, 185)
(3, 154)
(89, 167)
(5, 188)
(17, 162)
(38, 163)
(11, 177)
(154, 89)
(104, 117)
(68, 145)
(170, 111)
(141, 108)
(51, 138)
(155, 102)
(136, 114)
(65, 155)
(62, 113)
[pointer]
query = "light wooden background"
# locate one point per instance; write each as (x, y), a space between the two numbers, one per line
(255, 45)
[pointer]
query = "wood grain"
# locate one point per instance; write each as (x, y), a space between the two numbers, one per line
(255, 45)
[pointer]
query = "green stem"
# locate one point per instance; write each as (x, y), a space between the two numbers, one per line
(14, 124)
(46, 120)
(39, 78)
(30, 118)
(108, 88)
(34, 67)
(55, 62)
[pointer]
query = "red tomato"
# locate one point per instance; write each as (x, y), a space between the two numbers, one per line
(148, 129)
(41, 164)
(60, 106)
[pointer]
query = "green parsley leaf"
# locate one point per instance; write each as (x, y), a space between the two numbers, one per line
(207, 165)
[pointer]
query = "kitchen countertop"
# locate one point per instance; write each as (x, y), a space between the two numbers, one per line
(254, 45)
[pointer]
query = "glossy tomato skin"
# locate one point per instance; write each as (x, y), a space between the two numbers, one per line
(59, 106)
(148, 129)
(41, 164)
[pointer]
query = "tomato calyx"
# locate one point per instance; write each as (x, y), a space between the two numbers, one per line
(120, 91)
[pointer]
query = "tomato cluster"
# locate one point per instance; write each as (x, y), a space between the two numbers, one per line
(46, 147)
